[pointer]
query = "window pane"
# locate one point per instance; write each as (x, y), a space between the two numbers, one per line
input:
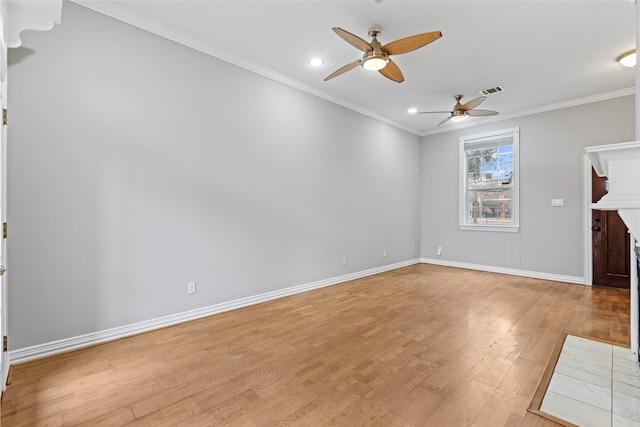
(489, 207)
(489, 167)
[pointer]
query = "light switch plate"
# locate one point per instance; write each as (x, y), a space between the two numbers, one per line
(557, 202)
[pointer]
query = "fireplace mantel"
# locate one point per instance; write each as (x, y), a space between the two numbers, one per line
(620, 163)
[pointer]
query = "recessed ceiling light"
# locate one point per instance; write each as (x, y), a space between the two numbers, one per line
(628, 59)
(316, 62)
(412, 110)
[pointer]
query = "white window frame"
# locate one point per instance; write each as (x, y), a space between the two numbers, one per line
(483, 138)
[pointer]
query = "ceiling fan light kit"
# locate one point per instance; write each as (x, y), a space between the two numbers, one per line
(457, 116)
(375, 61)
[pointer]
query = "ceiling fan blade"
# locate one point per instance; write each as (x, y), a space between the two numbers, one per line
(481, 113)
(472, 104)
(352, 39)
(429, 112)
(343, 70)
(444, 121)
(391, 71)
(408, 44)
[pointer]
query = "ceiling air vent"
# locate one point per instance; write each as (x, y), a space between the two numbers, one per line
(492, 90)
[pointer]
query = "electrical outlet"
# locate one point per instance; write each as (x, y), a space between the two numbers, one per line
(344, 260)
(191, 287)
(439, 250)
(384, 253)
(413, 248)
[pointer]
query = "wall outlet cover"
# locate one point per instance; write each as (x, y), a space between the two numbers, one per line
(191, 287)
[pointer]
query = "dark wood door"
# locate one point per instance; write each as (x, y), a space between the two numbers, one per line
(610, 242)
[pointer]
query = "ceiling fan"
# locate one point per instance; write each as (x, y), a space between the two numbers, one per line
(461, 111)
(376, 56)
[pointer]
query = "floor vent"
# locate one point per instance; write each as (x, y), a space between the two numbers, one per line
(492, 90)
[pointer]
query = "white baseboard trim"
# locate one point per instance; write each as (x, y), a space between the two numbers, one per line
(504, 270)
(68, 344)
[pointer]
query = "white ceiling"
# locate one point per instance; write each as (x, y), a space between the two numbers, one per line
(545, 54)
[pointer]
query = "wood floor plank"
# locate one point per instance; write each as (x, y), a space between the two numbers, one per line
(418, 346)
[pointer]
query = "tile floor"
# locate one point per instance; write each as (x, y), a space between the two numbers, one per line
(594, 384)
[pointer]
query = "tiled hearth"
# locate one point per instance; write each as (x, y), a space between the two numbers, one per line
(594, 384)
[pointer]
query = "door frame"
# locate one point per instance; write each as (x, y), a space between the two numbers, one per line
(588, 236)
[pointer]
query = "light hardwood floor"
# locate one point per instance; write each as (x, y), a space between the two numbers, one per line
(420, 346)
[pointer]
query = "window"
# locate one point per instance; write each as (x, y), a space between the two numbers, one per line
(489, 181)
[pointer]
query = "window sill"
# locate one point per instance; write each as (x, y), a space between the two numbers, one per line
(485, 227)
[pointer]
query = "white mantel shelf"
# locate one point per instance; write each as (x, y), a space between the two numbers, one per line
(620, 163)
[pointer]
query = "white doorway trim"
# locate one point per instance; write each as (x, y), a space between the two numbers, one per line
(588, 237)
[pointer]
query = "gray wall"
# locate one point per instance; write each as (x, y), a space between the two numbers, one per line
(137, 165)
(552, 144)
